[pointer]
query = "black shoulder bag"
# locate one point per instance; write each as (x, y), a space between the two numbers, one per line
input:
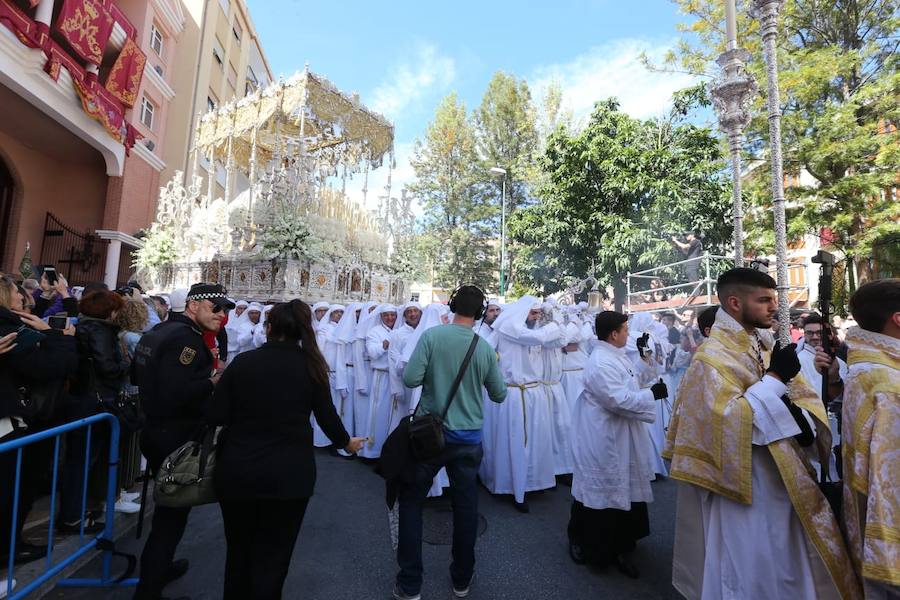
(426, 432)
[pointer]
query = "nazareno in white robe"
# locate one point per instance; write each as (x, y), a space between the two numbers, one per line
(381, 404)
(612, 463)
(520, 457)
(556, 394)
(329, 348)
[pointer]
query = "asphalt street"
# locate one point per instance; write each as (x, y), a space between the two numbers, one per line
(344, 548)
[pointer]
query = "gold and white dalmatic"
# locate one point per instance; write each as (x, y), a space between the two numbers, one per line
(871, 454)
(751, 521)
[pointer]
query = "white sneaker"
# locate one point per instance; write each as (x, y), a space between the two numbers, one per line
(3, 589)
(129, 496)
(127, 507)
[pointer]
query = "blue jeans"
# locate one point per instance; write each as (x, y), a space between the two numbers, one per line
(462, 463)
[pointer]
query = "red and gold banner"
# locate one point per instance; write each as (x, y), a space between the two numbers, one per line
(86, 25)
(124, 78)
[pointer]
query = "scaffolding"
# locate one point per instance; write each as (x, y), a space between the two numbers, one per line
(647, 290)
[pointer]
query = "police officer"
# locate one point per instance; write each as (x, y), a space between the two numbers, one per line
(174, 371)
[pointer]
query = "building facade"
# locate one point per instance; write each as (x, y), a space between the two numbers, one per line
(99, 101)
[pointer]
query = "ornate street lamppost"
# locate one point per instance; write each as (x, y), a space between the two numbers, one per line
(731, 95)
(502, 173)
(767, 13)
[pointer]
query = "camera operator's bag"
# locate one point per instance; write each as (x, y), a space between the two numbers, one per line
(426, 432)
(185, 477)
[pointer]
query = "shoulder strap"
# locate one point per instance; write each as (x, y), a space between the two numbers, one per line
(459, 375)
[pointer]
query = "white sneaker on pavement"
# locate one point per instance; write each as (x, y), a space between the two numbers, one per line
(129, 496)
(127, 507)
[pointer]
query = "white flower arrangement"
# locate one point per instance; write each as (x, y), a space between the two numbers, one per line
(290, 236)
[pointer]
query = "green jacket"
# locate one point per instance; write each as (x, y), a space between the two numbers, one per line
(434, 364)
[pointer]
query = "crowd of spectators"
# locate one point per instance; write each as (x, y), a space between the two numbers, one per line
(65, 352)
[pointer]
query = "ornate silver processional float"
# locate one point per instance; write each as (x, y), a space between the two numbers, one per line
(270, 225)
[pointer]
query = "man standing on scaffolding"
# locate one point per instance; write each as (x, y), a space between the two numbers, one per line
(692, 249)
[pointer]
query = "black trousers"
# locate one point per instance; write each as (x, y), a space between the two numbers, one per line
(168, 523)
(605, 534)
(261, 534)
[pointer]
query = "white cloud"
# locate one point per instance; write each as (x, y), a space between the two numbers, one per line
(409, 83)
(613, 69)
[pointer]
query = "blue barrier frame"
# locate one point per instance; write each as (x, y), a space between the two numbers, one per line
(52, 570)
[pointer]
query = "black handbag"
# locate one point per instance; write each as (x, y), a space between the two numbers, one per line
(426, 432)
(125, 407)
(37, 401)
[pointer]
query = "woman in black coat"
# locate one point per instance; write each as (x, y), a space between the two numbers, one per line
(54, 359)
(101, 369)
(265, 469)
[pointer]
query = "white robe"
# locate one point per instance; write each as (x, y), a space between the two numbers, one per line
(727, 550)
(556, 394)
(400, 394)
(648, 374)
(330, 352)
(520, 458)
(573, 365)
(612, 466)
(362, 379)
(381, 404)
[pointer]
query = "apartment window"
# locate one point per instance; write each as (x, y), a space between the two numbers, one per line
(232, 76)
(147, 113)
(237, 31)
(211, 103)
(226, 6)
(156, 40)
(218, 52)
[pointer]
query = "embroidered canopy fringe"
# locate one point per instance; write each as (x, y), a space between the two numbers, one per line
(336, 128)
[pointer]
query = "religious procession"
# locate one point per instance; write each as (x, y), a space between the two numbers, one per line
(587, 305)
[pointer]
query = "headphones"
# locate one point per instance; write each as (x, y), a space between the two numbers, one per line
(480, 312)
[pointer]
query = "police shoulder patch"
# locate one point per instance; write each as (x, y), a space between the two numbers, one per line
(187, 356)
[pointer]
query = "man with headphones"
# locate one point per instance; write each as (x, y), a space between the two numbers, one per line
(434, 365)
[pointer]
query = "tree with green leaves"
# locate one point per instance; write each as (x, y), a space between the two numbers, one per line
(612, 193)
(449, 185)
(839, 88)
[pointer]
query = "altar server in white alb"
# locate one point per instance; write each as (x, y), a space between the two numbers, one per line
(520, 458)
(486, 330)
(329, 347)
(408, 319)
(751, 520)
(611, 482)
(381, 404)
(343, 336)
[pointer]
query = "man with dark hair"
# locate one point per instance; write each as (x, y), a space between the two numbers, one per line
(751, 520)
(706, 319)
(173, 369)
(814, 361)
(434, 365)
(692, 248)
(613, 467)
(871, 439)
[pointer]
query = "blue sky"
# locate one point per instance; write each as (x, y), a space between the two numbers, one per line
(403, 57)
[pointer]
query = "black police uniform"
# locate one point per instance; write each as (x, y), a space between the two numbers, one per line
(172, 368)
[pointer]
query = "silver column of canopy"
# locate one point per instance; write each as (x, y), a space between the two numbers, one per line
(767, 13)
(731, 96)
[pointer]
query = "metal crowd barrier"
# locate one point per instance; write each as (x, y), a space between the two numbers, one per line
(103, 541)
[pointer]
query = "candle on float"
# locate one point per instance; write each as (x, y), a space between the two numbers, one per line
(730, 25)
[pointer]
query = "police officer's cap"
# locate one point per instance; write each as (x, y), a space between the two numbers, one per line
(213, 292)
